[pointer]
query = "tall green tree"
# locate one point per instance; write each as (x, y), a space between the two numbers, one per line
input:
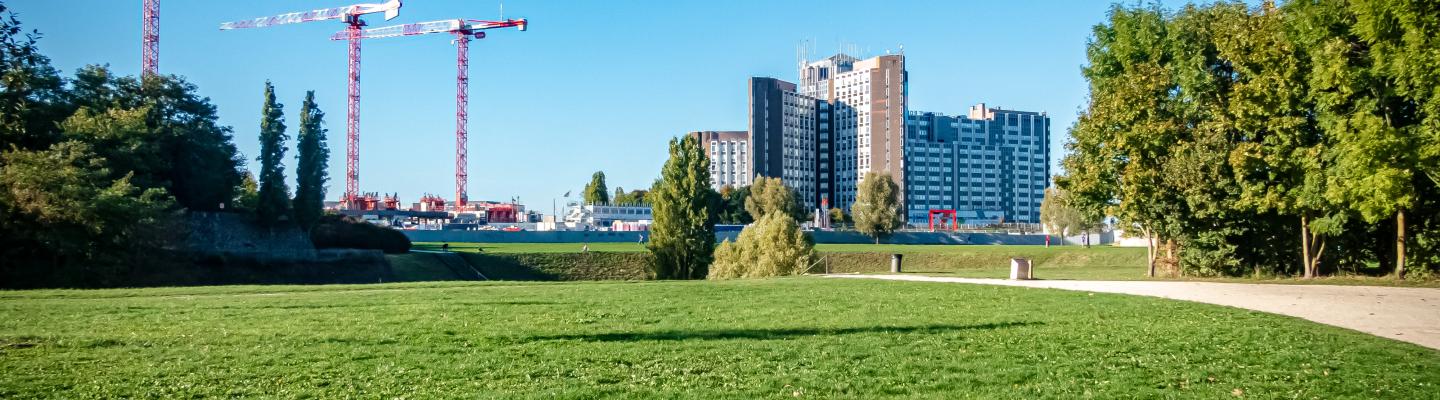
(1280, 159)
(32, 94)
(595, 192)
(1402, 41)
(877, 211)
(682, 238)
(1374, 121)
(181, 147)
(312, 158)
(1120, 140)
(769, 195)
(274, 196)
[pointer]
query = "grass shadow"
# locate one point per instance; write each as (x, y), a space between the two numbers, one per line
(766, 334)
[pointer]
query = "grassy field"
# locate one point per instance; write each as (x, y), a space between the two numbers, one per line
(780, 338)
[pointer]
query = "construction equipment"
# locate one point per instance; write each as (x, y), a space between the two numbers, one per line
(350, 15)
(463, 29)
(150, 38)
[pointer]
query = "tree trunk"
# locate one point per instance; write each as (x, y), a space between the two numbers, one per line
(1149, 254)
(1306, 270)
(1400, 244)
(1170, 256)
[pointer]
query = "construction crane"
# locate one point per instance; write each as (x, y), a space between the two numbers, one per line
(350, 15)
(150, 38)
(463, 29)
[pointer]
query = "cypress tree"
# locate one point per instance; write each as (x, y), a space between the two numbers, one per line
(596, 192)
(274, 201)
(682, 238)
(312, 158)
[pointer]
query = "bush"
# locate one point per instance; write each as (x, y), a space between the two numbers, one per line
(344, 232)
(772, 246)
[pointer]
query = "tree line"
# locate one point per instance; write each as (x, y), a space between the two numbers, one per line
(1299, 139)
(97, 170)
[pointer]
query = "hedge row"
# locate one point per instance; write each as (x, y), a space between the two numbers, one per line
(593, 266)
(633, 266)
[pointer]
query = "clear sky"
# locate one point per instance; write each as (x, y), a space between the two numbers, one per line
(593, 85)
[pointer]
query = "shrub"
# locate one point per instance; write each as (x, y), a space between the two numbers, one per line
(343, 232)
(772, 246)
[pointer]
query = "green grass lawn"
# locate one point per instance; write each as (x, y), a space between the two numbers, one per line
(778, 338)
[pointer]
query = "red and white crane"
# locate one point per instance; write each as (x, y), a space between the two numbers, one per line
(150, 38)
(463, 29)
(350, 15)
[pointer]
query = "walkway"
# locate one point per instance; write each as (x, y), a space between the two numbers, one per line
(1404, 314)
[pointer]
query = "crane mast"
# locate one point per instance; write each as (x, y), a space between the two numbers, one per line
(463, 30)
(350, 15)
(462, 117)
(150, 39)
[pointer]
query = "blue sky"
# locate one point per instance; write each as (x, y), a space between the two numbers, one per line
(593, 85)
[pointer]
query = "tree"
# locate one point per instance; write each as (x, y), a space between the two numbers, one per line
(732, 205)
(633, 197)
(312, 159)
(595, 192)
(619, 196)
(877, 210)
(769, 195)
(60, 209)
(32, 95)
(1368, 108)
(772, 246)
(247, 194)
(274, 196)
(682, 238)
(190, 154)
(1060, 217)
(837, 216)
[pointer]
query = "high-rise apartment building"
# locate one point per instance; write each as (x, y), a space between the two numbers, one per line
(731, 163)
(848, 117)
(783, 136)
(989, 160)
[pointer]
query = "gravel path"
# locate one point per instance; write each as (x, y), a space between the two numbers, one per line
(1404, 314)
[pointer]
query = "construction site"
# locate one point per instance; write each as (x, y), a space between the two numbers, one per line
(430, 211)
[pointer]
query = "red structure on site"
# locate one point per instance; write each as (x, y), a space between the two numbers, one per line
(953, 225)
(501, 213)
(350, 15)
(431, 203)
(463, 30)
(150, 38)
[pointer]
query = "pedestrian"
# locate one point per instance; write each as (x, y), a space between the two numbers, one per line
(445, 247)
(585, 248)
(642, 238)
